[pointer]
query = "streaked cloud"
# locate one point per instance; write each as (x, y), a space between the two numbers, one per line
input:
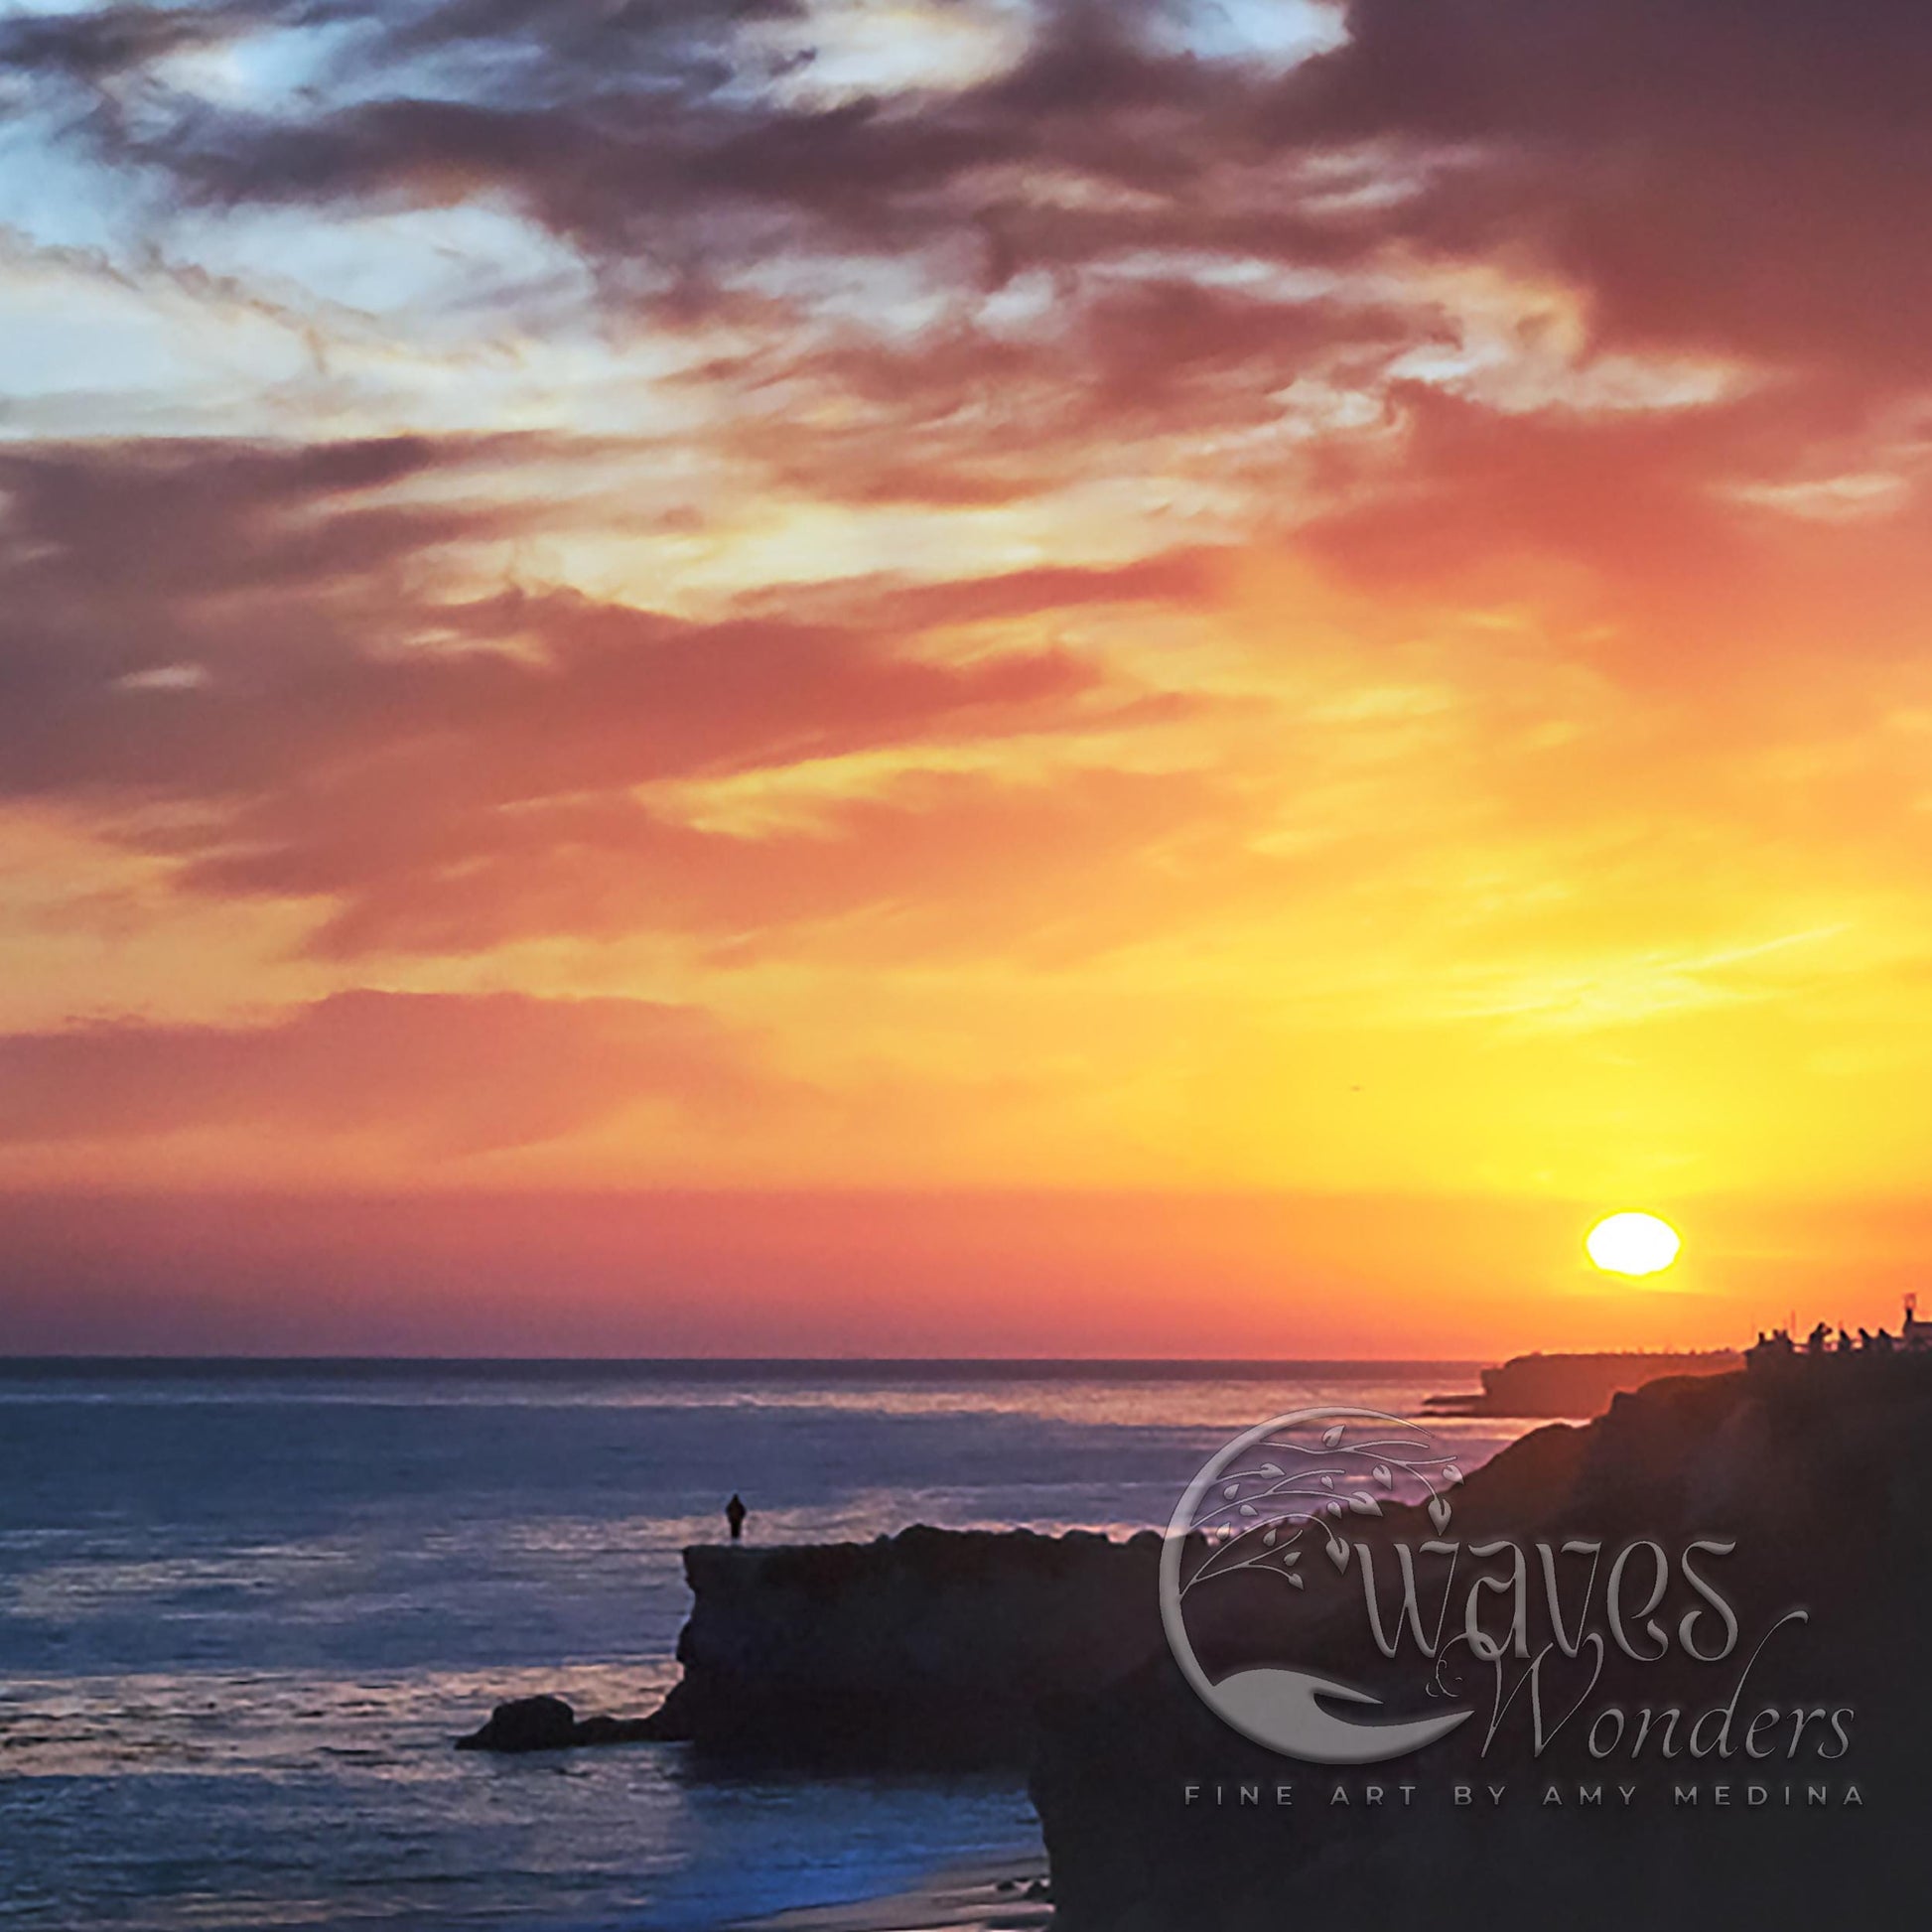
(413, 1074)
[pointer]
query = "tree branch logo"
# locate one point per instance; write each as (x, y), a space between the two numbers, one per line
(1531, 1637)
(1260, 1505)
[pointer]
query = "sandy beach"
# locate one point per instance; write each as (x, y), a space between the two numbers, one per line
(996, 1896)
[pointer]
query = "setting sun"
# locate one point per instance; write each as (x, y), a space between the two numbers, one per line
(1633, 1244)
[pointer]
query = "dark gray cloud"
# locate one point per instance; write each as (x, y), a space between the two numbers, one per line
(1739, 176)
(1746, 177)
(1740, 181)
(99, 46)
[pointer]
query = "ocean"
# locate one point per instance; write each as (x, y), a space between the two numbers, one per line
(246, 1606)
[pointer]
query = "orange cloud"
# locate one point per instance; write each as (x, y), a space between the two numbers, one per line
(434, 1075)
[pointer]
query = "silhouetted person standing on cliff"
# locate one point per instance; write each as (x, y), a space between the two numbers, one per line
(735, 1514)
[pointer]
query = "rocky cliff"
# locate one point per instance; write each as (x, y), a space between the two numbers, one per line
(1576, 1385)
(931, 1647)
(1817, 1489)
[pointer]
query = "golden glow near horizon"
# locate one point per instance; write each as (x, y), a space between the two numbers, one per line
(1633, 1244)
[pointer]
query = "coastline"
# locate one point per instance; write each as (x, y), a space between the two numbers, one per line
(547, 1521)
(994, 1895)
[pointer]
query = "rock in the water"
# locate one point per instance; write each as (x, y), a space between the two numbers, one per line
(540, 1724)
(616, 1730)
(547, 1723)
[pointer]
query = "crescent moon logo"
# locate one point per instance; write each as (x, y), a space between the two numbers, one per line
(1276, 1707)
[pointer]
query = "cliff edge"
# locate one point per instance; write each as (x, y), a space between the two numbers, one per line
(1574, 1386)
(1809, 1495)
(936, 1648)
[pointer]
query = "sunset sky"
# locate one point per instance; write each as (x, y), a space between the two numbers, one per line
(800, 675)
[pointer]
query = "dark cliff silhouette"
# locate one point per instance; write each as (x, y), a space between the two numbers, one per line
(938, 1647)
(1575, 1385)
(1823, 1484)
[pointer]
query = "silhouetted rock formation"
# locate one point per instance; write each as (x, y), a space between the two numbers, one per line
(930, 1647)
(1575, 1385)
(548, 1723)
(1822, 1482)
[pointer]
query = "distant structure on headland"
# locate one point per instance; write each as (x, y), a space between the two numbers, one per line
(1574, 1386)
(1779, 1349)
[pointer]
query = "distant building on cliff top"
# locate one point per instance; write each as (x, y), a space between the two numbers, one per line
(1776, 1350)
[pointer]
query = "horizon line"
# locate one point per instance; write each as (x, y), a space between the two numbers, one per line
(244, 1359)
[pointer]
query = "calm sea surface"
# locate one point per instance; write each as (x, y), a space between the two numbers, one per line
(245, 1608)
